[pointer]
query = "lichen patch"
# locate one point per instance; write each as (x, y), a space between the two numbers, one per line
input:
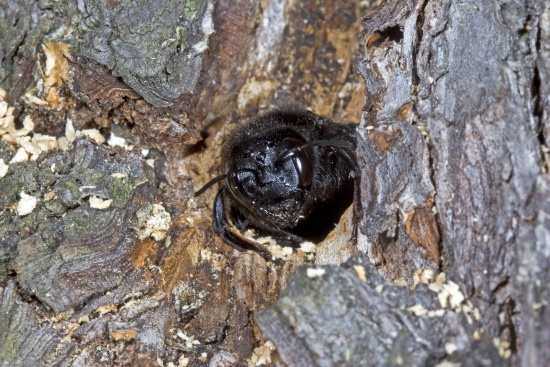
(153, 221)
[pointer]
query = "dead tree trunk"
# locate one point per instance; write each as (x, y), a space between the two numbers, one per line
(114, 113)
(453, 154)
(105, 256)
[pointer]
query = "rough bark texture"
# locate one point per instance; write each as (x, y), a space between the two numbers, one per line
(336, 319)
(128, 283)
(117, 263)
(472, 78)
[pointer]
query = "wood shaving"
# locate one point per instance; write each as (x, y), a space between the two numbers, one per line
(26, 204)
(117, 141)
(20, 157)
(446, 363)
(503, 347)
(183, 361)
(102, 310)
(423, 276)
(3, 168)
(436, 313)
(70, 132)
(418, 310)
(63, 143)
(56, 70)
(439, 281)
(28, 124)
(315, 272)
(26, 146)
(44, 142)
(95, 135)
(450, 348)
(3, 108)
(98, 203)
(361, 273)
(125, 335)
(261, 355)
(25, 143)
(34, 100)
(278, 252)
(83, 319)
(401, 282)
(7, 125)
(308, 247)
(450, 295)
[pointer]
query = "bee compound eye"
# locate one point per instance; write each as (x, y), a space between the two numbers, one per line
(302, 164)
(301, 159)
(235, 183)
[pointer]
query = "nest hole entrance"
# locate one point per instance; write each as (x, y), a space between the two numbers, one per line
(325, 219)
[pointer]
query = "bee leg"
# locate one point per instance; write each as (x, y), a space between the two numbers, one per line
(283, 238)
(239, 243)
(357, 208)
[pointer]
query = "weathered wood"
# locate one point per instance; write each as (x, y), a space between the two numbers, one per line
(24, 339)
(455, 118)
(79, 251)
(110, 296)
(470, 77)
(328, 316)
(156, 47)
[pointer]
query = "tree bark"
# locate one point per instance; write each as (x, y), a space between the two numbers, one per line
(453, 180)
(116, 262)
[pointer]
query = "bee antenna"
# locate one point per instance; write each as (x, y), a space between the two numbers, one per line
(321, 143)
(221, 177)
(210, 183)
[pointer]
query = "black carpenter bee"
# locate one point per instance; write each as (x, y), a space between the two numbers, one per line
(286, 172)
